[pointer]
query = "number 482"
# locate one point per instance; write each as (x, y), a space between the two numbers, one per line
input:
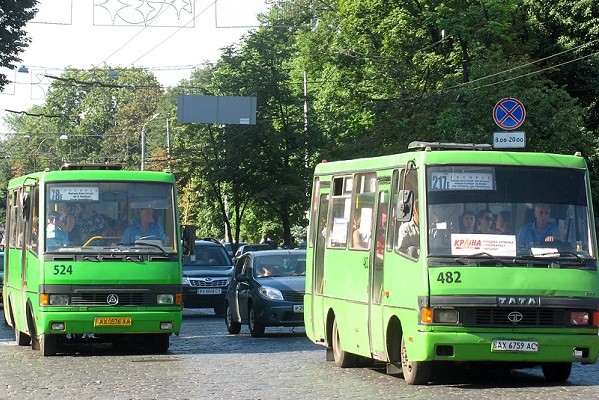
(449, 277)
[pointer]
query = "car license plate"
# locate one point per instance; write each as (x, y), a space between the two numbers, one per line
(515, 345)
(209, 291)
(112, 321)
(298, 308)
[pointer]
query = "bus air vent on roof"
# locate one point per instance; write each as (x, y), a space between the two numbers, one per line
(80, 167)
(428, 146)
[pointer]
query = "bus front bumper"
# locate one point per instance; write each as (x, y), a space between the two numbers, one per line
(503, 346)
(109, 322)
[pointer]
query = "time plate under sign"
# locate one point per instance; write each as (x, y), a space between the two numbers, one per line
(509, 140)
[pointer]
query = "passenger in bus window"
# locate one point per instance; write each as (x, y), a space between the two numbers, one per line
(467, 222)
(65, 222)
(503, 223)
(408, 241)
(145, 227)
(484, 220)
(540, 230)
(89, 223)
(360, 239)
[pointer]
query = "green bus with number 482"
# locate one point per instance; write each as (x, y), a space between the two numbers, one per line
(453, 253)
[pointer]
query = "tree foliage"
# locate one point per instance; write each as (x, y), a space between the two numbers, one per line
(14, 15)
(337, 80)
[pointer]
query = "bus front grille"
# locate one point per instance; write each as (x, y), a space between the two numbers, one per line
(528, 317)
(102, 299)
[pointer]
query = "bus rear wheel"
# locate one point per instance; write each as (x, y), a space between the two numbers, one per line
(21, 338)
(342, 358)
(414, 372)
(556, 371)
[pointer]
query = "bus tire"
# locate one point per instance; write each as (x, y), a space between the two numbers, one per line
(233, 327)
(256, 328)
(414, 372)
(342, 358)
(22, 338)
(556, 371)
(48, 344)
(161, 343)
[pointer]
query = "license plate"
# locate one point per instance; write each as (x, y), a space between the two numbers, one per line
(298, 308)
(515, 345)
(112, 321)
(209, 291)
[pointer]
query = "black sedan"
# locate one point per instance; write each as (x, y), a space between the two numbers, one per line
(267, 289)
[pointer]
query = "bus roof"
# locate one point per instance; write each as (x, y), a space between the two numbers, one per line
(93, 175)
(436, 156)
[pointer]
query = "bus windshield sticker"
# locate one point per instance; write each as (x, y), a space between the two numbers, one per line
(74, 193)
(462, 181)
(496, 245)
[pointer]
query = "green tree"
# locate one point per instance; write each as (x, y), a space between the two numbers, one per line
(14, 15)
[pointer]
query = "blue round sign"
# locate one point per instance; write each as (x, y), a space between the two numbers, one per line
(509, 113)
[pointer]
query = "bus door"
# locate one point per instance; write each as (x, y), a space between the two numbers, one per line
(375, 307)
(317, 312)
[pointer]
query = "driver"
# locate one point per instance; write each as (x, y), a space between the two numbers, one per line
(540, 230)
(144, 227)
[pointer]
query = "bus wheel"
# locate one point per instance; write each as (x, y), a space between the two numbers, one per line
(161, 343)
(342, 358)
(556, 371)
(47, 344)
(233, 327)
(414, 372)
(21, 338)
(256, 328)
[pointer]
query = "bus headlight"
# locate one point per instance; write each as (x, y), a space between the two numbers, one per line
(165, 299)
(579, 318)
(446, 316)
(270, 293)
(58, 300)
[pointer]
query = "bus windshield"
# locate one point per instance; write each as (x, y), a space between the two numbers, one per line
(508, 211)
(109, 216)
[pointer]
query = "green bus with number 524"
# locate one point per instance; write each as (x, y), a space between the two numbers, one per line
(92, 253)
(453, 253)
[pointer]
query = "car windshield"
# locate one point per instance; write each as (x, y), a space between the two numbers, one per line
(208, 256)
(508, 211)
(109, 217)
(279, 266)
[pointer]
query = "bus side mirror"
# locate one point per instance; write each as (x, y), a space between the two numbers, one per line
(403, 208)
(189, 239)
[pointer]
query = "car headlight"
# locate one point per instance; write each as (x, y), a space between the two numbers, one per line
(270, 293)
(185, 281)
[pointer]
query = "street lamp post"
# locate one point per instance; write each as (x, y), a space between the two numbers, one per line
(143, 140)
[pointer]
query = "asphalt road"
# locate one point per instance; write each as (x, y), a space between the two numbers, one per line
(205, 362)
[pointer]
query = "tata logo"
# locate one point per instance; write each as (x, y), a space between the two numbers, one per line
(112, 299)
(515, 317)
(520, 301)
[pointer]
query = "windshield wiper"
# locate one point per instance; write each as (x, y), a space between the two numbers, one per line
(483, 256)
(142, 243)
